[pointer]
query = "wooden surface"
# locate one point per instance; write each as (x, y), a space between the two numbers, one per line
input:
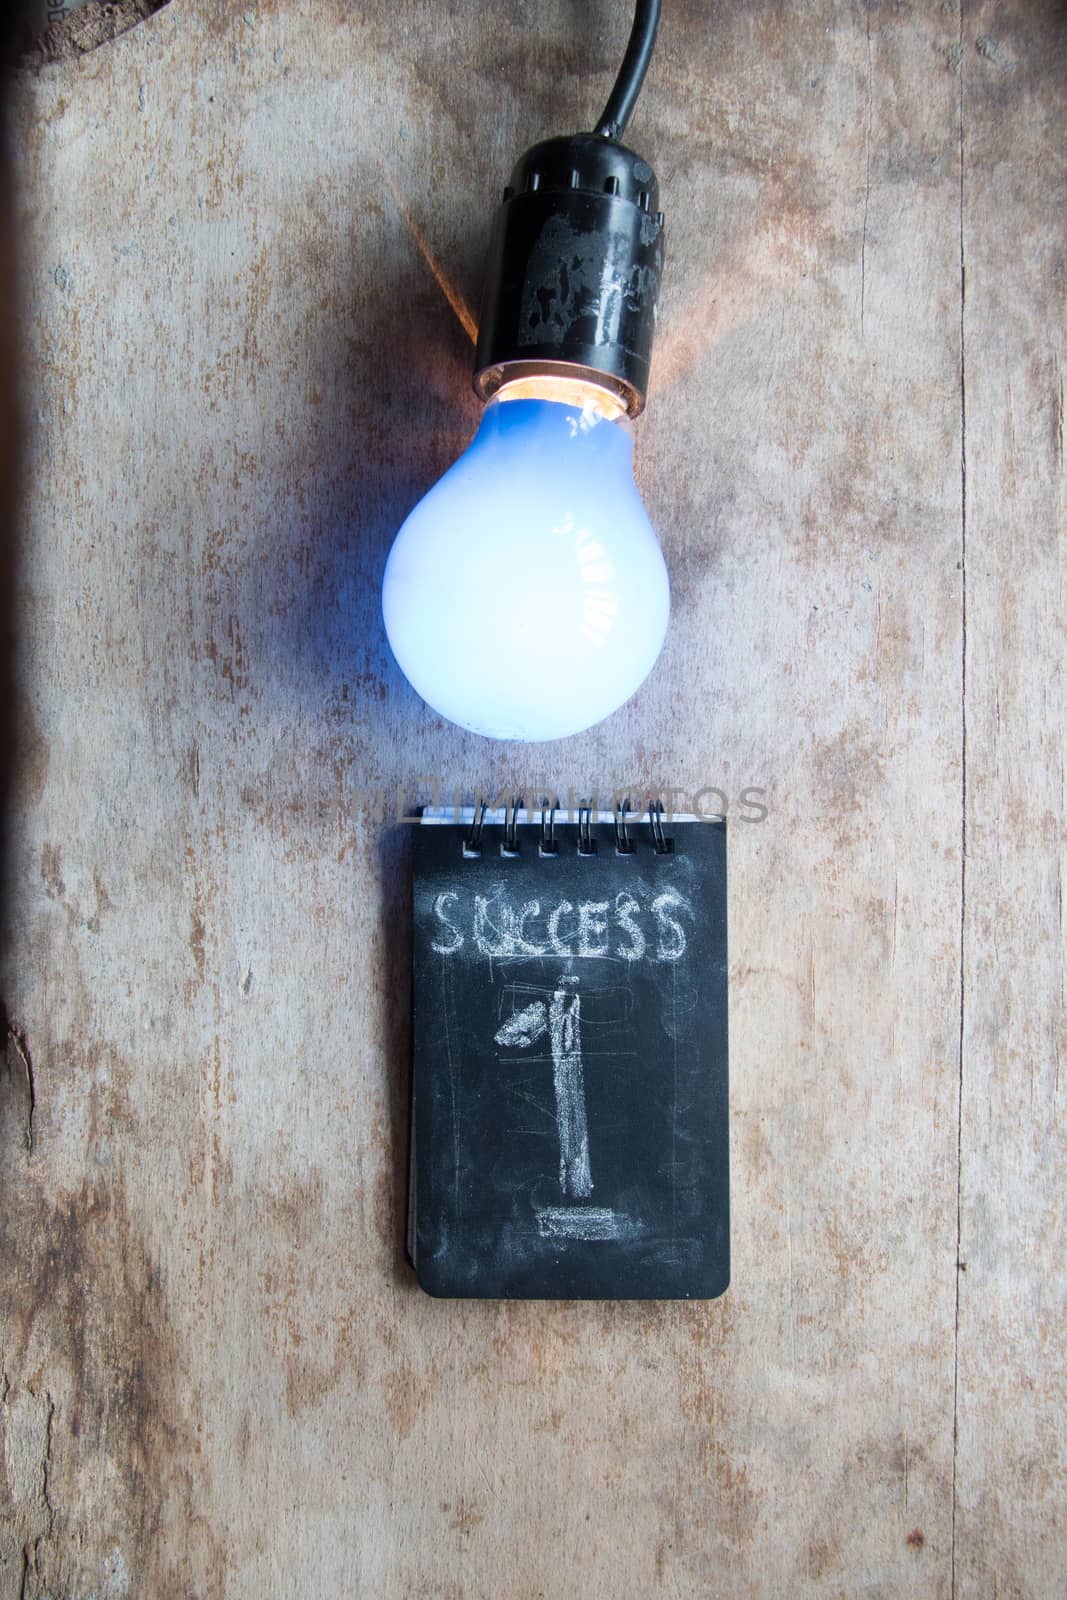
(218, 1378)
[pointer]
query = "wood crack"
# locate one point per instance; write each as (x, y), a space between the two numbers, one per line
(867, 174)
(963, 825)
(15, 1044)
(46, 1465)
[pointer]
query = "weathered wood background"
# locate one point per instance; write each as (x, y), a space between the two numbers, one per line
(218, 1376)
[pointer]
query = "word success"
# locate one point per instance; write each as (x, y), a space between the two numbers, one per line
(627, 928)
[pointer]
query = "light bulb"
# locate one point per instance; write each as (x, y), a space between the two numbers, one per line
(526, 596)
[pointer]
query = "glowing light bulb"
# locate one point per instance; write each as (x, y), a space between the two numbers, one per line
(526, 596)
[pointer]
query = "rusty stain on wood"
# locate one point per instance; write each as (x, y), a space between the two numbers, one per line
(217, 1376)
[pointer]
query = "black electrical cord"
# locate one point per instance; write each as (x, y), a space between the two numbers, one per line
(623, 97)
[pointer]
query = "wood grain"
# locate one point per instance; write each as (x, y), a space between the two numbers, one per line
(1012, 1303)
(218, 1375)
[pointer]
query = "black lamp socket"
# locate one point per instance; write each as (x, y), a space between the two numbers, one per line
(573, 275)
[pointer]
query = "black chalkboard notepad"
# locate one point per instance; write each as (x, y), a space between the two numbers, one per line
(569, 1092)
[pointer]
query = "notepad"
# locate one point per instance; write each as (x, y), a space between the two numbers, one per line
(569, 1087)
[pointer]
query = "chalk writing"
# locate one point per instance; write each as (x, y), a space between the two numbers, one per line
(672, 940)
(454, 939)
(632, 927)
(582, 1222)
(626, 912)
(561, 1020)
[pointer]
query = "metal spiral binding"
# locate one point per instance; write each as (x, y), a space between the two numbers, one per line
(662, 845)
(509, 845)
(472, 845)
(624, 845)
(548, 845)
(586, 842)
